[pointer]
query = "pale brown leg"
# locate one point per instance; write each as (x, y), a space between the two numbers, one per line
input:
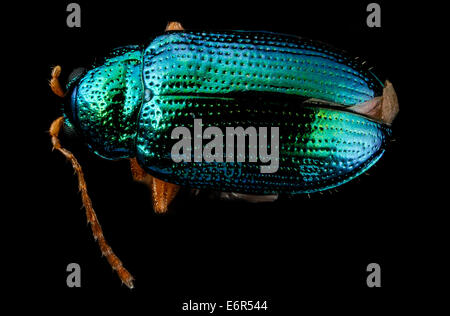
(113, 260)
(54, 82)
(174, 26)
(138, 173)
(162, 192)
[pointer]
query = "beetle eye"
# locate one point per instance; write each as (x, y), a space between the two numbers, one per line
(76, 73)
(74, 76)
(69, 130)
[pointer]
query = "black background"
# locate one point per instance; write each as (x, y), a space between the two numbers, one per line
(293, 253)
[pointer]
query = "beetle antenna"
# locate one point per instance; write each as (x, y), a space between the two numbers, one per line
(54, 82)
(97, 231)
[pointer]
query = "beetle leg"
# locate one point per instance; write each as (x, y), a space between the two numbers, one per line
(174, 26)
(138, 173)
(162, 192)
(54, 82)
(97, 231)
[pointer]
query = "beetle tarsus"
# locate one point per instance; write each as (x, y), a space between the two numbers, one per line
(97, 231)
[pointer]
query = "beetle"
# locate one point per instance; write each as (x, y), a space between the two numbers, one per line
(333, 113)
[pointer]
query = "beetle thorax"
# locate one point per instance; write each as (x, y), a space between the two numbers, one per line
(107, 103)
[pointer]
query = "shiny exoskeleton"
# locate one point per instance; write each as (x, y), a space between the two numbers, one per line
(127, 105)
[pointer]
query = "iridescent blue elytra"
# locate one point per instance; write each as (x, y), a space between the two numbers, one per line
(127, 105)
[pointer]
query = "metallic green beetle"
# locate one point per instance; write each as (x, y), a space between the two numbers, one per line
(127, 106)
(332, 112)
